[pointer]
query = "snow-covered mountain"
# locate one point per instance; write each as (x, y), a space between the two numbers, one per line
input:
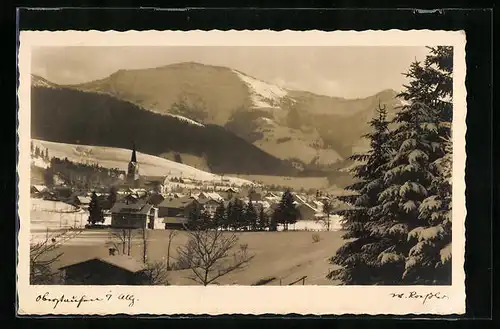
(262, 94)
(71, 116)
(38, 81)
(293, 125)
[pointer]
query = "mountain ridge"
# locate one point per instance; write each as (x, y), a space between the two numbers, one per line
(102, 120)
(302, 127)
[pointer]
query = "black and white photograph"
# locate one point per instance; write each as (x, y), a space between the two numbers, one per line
(215, 166)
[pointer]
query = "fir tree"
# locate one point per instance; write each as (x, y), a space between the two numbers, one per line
(220, 217)
(194, 217)
(205, 221)
(229, 216)
(113, 193)
(237, 214)
(273, 225)
(429, 258)
(358, 259)
(407, 181)
(48, 177)
(96, 214)
(251, 217)
(263, 220)
(327, 210)
(401, 216)
(287, 213)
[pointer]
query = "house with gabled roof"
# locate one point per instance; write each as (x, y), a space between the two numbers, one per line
(110, 270)
(134, 215)
(173, 213)
(306, 211)
(39, 191)
(81, 201)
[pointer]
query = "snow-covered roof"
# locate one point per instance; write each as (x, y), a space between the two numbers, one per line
(214, 196)
(318, 204)
(83, 199)
(40, 188)
(307, 205)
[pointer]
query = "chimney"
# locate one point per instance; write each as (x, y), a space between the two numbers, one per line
(112, 251)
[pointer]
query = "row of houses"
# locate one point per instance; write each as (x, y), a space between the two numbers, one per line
(172, 211)
(136, 207)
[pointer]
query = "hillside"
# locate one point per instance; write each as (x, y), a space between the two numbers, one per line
(76, 117)
(109, 157)
(323, 130)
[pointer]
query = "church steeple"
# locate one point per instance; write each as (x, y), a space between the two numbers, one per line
(134, 157)
(133, 167)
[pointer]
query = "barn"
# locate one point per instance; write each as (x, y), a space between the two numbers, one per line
(111, 270)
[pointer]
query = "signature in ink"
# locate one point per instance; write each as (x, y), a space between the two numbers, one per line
(415, 295)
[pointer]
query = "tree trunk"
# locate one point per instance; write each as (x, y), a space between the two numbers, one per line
(124, 234)
(129, 241)
(145, 245)
(168, 252)
(205, 282)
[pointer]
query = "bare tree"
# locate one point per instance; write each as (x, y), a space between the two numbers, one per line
(45, 253)
(121, 239)
(171, 236)
(208, 254)
(157, 273)
(327, 210)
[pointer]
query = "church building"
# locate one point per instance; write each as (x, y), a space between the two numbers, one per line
(133, 170)
(136, 181)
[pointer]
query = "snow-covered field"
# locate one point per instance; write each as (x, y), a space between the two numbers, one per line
(293, 182)
(39, 162)
(149, 165)
(308, 225)
(287, 256)
(52, 216)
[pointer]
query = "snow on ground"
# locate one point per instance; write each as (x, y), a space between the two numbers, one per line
(263, 94)
(52, 216)
(39, 162)
(287, 256)
(180, 117)
(149, 165)
(310, 225)
(267, 120)
(40, 82)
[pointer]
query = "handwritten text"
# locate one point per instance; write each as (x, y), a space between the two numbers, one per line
(423, 297)
(84, 299)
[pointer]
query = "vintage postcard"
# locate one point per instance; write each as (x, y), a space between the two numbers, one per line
(241, 172)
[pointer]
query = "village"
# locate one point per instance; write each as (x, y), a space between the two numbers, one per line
(163, 202)
(95, 225)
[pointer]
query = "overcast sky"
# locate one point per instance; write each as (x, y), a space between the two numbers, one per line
(350, 72)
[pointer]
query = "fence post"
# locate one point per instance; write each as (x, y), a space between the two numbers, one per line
(280, 282)
(303, 281)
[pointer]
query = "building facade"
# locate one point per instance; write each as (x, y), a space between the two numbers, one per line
(134, 215)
